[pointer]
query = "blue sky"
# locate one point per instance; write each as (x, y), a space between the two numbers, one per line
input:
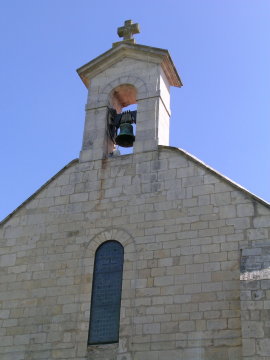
(220, 48)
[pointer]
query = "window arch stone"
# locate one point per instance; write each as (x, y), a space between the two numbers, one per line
(119, 235)
(138, 83)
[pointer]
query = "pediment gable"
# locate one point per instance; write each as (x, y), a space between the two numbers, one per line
(135, 51)
(182, 153)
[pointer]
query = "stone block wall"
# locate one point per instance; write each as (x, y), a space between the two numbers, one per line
(185, 230)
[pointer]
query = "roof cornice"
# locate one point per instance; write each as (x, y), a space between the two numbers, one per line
(135, 51)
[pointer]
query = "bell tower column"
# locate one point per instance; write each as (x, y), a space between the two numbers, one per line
(96, 142)
(153, 117)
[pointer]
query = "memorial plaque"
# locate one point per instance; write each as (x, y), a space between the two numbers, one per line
(106, 294)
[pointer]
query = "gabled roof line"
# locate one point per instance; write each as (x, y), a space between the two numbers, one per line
(39, 190)
(223, 177)
(183, 152)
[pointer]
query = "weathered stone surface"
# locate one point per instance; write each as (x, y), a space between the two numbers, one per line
(180, 281)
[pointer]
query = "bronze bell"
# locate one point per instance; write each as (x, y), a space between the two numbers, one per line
(125, 137)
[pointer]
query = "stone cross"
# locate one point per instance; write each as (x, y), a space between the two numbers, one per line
(128, 30)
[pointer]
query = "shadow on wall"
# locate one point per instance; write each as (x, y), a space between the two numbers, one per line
(255, 264)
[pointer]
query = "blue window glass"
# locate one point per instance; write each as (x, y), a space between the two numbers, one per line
(106, 294)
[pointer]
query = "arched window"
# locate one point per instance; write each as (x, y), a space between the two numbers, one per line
(106, 293)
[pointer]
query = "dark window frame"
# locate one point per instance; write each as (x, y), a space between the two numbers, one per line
(109, 309)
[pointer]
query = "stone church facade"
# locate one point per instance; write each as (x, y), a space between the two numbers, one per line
(195, 281)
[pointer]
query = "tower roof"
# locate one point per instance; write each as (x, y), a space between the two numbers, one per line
(122, 50)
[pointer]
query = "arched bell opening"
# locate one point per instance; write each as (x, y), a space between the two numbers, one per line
(122, 119)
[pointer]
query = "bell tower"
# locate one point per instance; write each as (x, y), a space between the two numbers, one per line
(127, 74)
